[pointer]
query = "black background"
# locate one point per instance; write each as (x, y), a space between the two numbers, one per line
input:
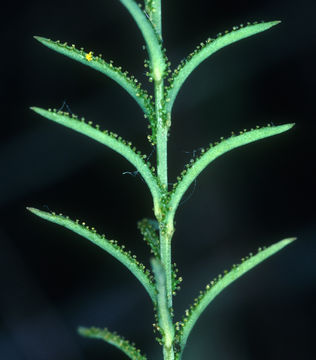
(52, 281)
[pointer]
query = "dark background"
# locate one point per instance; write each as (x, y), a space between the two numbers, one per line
(51, 281)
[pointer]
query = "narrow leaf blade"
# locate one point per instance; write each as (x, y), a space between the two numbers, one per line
(110, 246)
(132, 86)
(109, 139)
(213, 152)
(151, 37)
(112, 338)
(219, 284)
(208, 48)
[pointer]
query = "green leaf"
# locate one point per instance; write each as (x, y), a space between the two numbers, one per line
(151, 37)
(112, 338)
(109, 139)
(194, 168)
(110, 246)
(205, 50)
(218, 285)
(129, 83)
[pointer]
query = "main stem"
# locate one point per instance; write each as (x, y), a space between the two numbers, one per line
(166, 229)
(162, 171)
(162, 135)
(165, 233)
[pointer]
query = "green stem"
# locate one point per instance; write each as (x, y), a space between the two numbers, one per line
(165, 256)
(164, 315)
(168, 354)
(166, 229)
(162, 136)
(162, 171)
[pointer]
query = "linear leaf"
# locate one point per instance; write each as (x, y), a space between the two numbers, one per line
(204, 50)
(219, 284)
(110, 246)
(148, 228)
(109, 139)
(207, 156)
(129, 83)
(112, 338)
(151, 37)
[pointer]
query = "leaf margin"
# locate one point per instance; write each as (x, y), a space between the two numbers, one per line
(114, 339)
(205, 50)
(213, 152)
(111, 140)
(110, 246)
(129, 83)
(219, 284)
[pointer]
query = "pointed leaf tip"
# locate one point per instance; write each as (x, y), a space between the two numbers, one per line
(32, 210)
(37, 110)
(290, 240)
(40, 38)
(83, 331)
(290, 125)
